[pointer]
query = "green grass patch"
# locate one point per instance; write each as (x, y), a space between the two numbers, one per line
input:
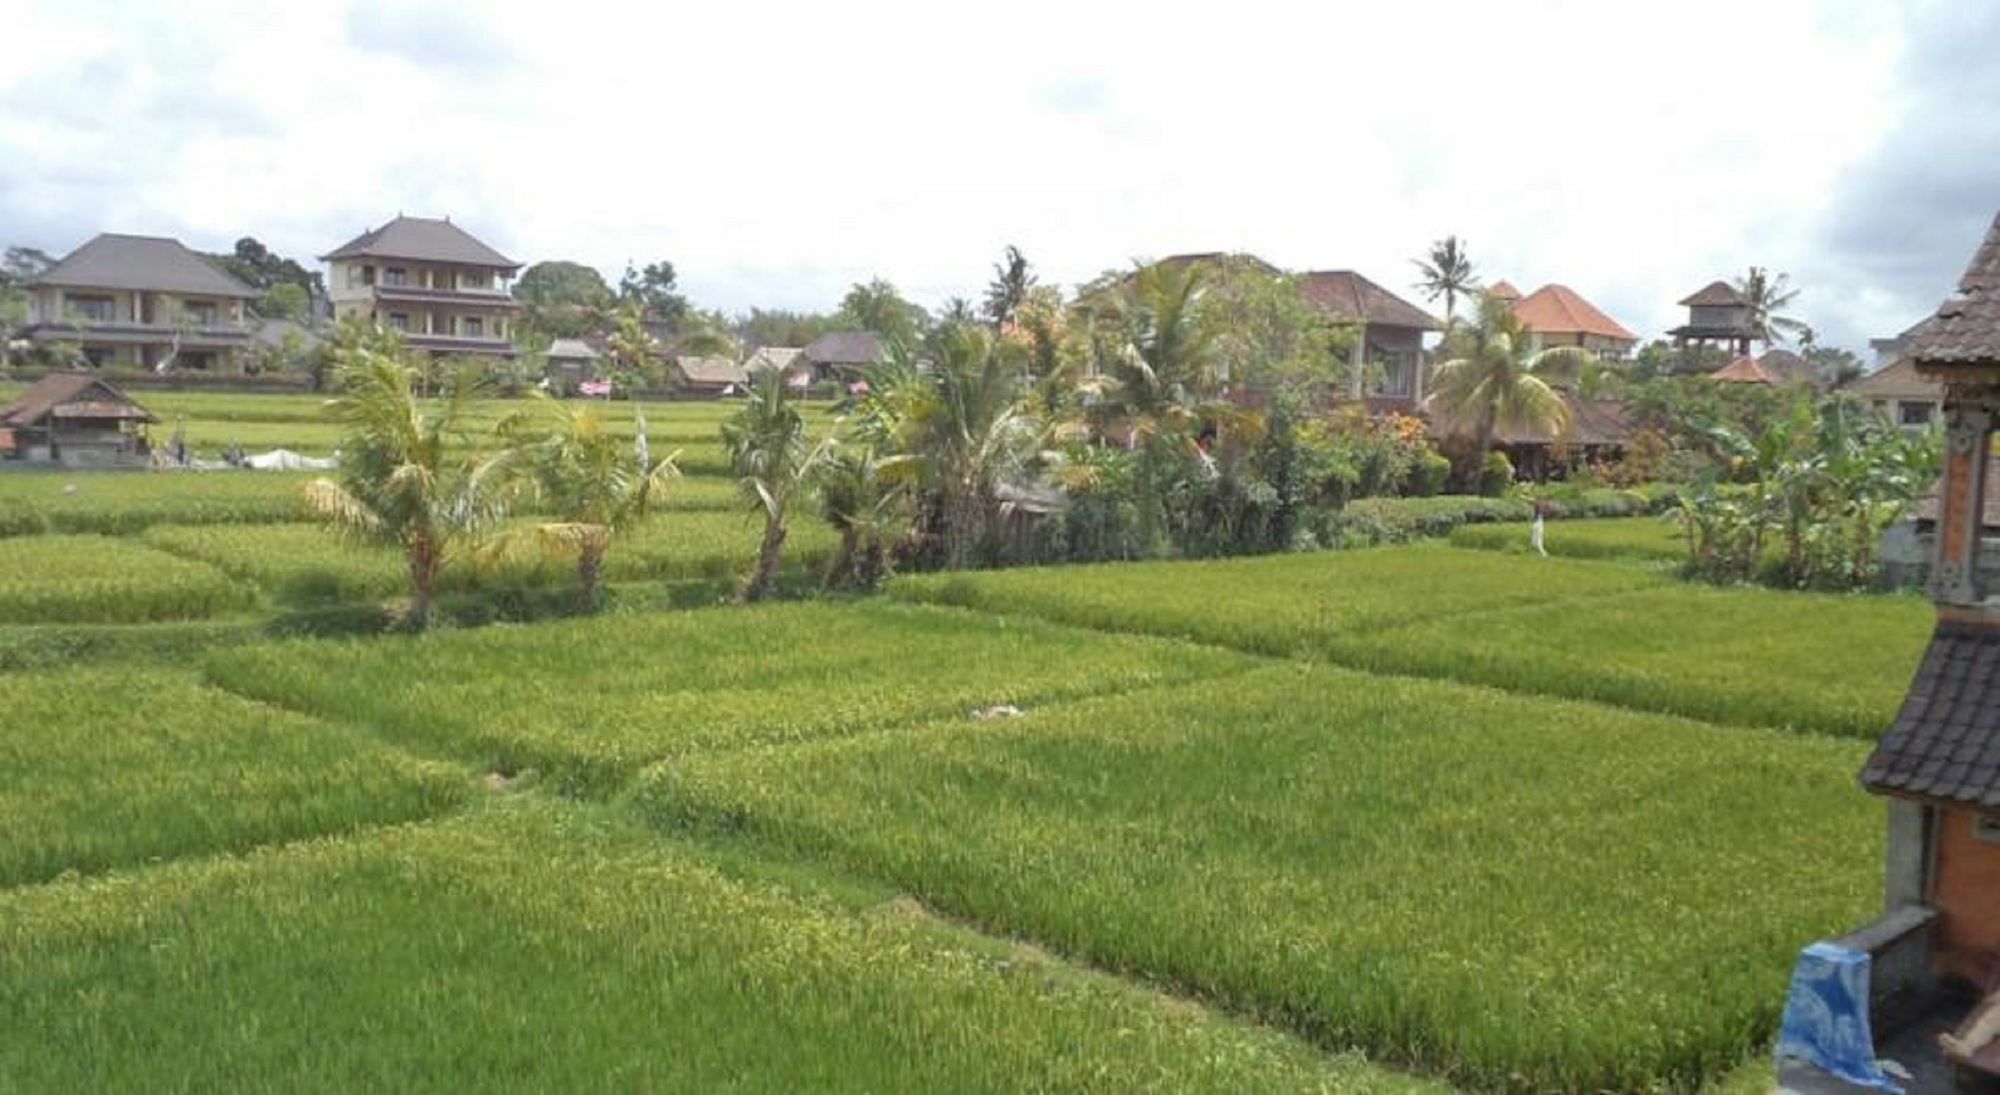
(1817, 662)
(1512, 892)
(591, 701)
(126, 501)
(1277, 604)
(115, 766)
(95, 579)
(1647, 539)
(538, 948)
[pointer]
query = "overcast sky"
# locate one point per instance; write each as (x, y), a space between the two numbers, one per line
(778, 152)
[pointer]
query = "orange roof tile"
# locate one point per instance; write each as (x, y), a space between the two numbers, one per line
(1504, 290)
(1558, 309)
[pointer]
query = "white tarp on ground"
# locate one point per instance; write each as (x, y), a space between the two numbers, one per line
(287, 460)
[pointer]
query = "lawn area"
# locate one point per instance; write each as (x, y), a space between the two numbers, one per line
(98, 579)
(537, 947)
(1278, 604)
(1818, 662)
(588, 702)
(1513, 892)
(116, 766)
(1647, 539)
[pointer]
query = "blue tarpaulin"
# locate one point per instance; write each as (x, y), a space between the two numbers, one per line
(1826, 1017)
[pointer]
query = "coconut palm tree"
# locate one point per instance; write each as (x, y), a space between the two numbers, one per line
(588, 480)
(1768, 297)
(1492, 380)
(1447, 273)
(968, 429)
(408, 474)
(1012, 281)
(866, 498)
(776, 463)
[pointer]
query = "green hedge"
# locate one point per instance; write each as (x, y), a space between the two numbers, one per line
(1394, 520)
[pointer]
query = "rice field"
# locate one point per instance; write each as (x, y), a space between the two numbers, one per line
(542, 947)
(99, 579)
(116, 766)
(1505, 891)
(123, 502)
(1640, 539)
(588, 702)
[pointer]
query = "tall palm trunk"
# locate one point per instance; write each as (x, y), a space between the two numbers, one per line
(590, 571)
(424, 562)
(767, 560)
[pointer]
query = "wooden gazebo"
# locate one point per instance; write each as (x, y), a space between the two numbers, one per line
(76, 420)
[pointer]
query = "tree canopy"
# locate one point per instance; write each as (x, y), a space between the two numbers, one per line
(878, 307)
(654, 289)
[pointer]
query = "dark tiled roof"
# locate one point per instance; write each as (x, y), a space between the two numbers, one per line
(1945, 744)
(1716, 294)
(59, 389)
(1351, 298)
(846, 348)
(149, 263)
(421, 239)
(1966, 328)
(1898, 378)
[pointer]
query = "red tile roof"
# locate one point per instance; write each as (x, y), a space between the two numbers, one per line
(1504, 290)
(1558, 309)
(1351, 298)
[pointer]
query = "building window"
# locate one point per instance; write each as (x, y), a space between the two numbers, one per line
(1911, 413)
(202, 361)
(440, 325)
(395, 275)
(201, 313)
(97, 357)
(475, 279)
(474, 327)
(399, 321)
(94, 309)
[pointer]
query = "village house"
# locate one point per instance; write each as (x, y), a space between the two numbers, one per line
(1902, 394)
(709, 376)
(140, 303)
(1718, 315)
(568, 363)
(1556, 315)
(1389, 333)
(786, 360)
(430, 279)
(840, 356)
(77, 420)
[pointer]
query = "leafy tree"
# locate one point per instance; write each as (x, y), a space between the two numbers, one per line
(878, 307)
(865, 496)
(589, 478)
(562, 299)
(1492, 380)
(23, 264)
(958, 311)
(776, 464)
(653, 289)
(706, 334)
(285, 300)
(1447, 272)
(1013, 280)
(1270, 339)
(408, 477)
(776, 327)
(967, 428)
(634, 359)
(1833, 364)
(262, 269)
(1769, 297)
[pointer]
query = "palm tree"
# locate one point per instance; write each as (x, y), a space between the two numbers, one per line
(1492, 380)
(1012, 282)
(1769, 296)
(1447, 273)
(590, 482)
(968, 429)
(865, 497)
(408, 477)
(633, 354)
(775, 463)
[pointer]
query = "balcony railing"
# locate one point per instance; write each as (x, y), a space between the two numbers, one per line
(127, 331)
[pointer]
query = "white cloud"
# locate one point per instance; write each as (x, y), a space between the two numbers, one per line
(778, 151)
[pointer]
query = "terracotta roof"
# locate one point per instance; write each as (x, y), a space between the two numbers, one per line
(1898, 378)
(421, 239)
(1945, 742)
(846, 348)
(711, 370)
(1966, 328)
(1558, 309)
(1351, 298)
(1716, 294)
(49, 395)
(151, 263)
(1775, 367)
(1503, 290)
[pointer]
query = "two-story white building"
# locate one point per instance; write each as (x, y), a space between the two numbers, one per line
(443, 289)
(140, 302)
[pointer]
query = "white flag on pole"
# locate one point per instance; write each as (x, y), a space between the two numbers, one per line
(645, 454)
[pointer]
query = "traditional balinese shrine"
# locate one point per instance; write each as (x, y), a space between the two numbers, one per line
(1924, 978)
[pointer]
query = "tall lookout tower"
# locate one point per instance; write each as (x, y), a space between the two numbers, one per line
(1933, 994)
(1718, 315)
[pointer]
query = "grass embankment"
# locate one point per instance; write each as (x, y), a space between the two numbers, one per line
(588, 702)
(1638, 539)
(1512, 892)
(534, 947)
(116, 766)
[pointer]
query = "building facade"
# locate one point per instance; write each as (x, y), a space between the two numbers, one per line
(447, 292)
(140, 303)
(1389, 334)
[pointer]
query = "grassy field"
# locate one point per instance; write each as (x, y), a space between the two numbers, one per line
(589, 702)
(115, 766)
(547, 948)
(1283, 604)
(1646, 539)
(123, 502)
(98, 579)
(1503, 890)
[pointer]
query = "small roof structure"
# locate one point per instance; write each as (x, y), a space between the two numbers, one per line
(1716, 294)
(1592, 422)
(1898, 379)
(846, 348)
(773, 358)
(1503, 290)
(144, 263)
(711, 371)
(1557, 309)
(1347, 297)
(1773, 368)
(1966, 328)
(422, 239)
(71, 396)
(1945, 743)
(570, 349)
